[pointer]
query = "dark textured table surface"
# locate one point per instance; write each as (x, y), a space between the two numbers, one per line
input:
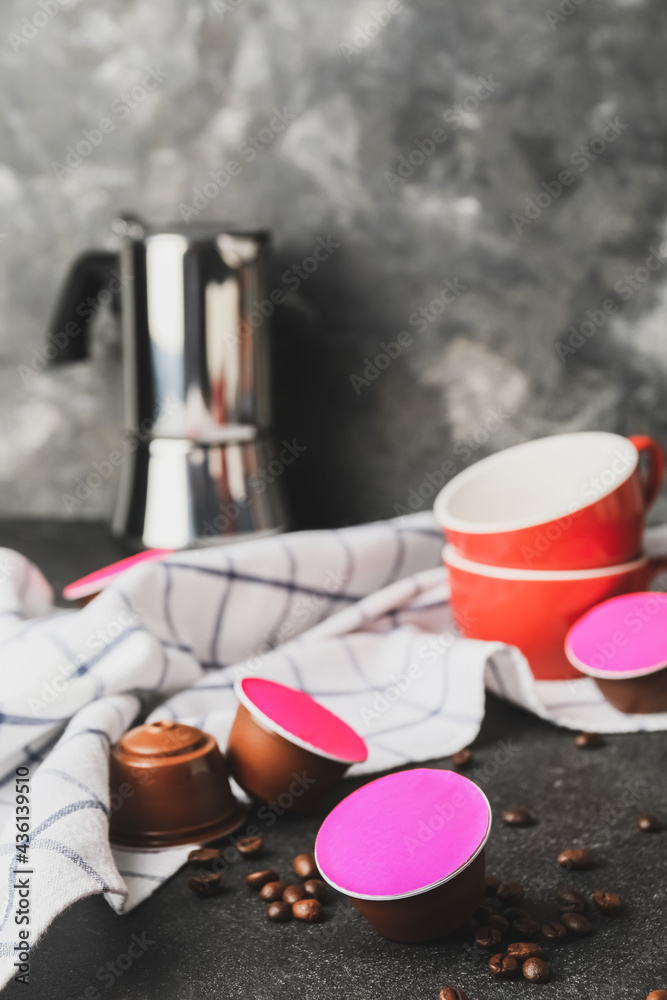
(224, 948)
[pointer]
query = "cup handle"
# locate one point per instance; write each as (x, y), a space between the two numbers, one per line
(651, 481)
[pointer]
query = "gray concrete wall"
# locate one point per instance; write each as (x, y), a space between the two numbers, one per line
(429, 141)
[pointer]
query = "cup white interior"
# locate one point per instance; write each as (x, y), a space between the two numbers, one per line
(452, 557)
(535, 482)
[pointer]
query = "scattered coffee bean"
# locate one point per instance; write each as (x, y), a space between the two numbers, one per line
(258, 879)
(526, 927)
(316, 888)
(462, 759)
(452, 993)
(648, 823)
(304, 866)
(503, 966)
(571, 901)
(482, 913)
(607, 902)
(491, 884)
(293, 893)
(279, 912)
(554, 931)
(578, 924)
(515, 912)
(500, 924)
(487, 938)
(206, 884)
(272, 892)
(517, 817)
(510, 892)
(523, 950)
(657, 995)
(536, 970)
(309, 910)
(204, 857)
(589, 741)
(577, 858)
(250, 847)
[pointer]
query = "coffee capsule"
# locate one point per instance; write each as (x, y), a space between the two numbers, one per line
(622, 645)
(169, 786)
(88, 587)
(408, 850)
(285, 747)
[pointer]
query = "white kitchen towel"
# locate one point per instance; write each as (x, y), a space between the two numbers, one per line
(358, 617)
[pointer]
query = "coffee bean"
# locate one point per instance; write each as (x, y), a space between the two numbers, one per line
(258, 879)
(309, 910)
(517, 817)
(577, 858)
(503, 966)
(304, 866)
(648, 823)
(607, 902)
(526, 927)
(272, 892)
(204, 857)
(510, 892)
(206, 884)
(571, 901)
(589, 741)
(487, 938)
(482, 913)
(578, 924)
(279, 912)
(491, 884)
(250, 847)
(536, 970)
(525, 949)
(500, 924)
(316, 888)
(514, 912)
(657, 995)
(462, 759)
(452, 993)
(293, 893)
(555, 931)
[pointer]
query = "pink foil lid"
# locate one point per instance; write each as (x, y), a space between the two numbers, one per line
(98, 580)
(621, 638)
(301, 720)
(403, 834)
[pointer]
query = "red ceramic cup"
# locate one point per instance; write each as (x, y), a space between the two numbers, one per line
(285, 747)
(572, 501)
(622, 645)
(408, 851)
(534, 609)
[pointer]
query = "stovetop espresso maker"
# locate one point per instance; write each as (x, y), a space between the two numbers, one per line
(198, 461)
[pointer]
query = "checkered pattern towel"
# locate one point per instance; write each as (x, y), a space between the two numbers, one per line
(358, 617)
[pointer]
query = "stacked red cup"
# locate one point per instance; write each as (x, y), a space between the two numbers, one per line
(540, 533)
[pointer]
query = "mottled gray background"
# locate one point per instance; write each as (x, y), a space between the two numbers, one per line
(358, 108)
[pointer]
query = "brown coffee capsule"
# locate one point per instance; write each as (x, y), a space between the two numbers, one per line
(178, 791)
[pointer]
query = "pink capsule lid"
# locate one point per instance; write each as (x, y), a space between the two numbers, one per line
(101, 578)
(403, 834)
(300, 719)
(621, 638)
